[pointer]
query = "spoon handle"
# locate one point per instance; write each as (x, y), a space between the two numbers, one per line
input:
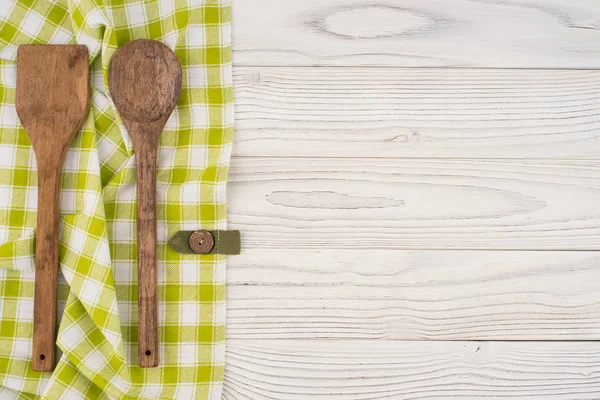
(46, 265)
(146, 156)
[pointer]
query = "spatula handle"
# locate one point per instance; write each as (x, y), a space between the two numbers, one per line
(46, 266)
(146, 242)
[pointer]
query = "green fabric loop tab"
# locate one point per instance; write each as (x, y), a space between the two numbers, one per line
(226, 242)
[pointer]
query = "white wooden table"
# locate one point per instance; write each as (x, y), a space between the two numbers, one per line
(418, 187)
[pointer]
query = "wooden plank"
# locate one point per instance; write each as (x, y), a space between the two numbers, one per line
(399, 112)
(319, 203)
(412, 33)
(413, 295)
(369, 370)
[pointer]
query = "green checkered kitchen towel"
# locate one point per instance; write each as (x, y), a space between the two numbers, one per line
(97, 289)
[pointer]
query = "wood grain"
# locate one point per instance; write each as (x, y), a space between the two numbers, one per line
(400, 112)
(408, 33)
(369, 370)
(145, 83)
(52, 101)
(413, 295)
(320, 203)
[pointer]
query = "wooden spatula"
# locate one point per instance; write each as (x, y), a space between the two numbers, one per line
(52, 102)
(144, 80)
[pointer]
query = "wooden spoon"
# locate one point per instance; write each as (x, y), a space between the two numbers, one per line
(52, 102)
(144, 79)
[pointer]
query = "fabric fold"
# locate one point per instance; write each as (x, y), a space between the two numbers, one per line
(18, 254)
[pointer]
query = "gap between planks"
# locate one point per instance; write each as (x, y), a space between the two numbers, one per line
(401, 67)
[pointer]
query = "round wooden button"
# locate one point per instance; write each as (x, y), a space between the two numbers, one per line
(202, 241)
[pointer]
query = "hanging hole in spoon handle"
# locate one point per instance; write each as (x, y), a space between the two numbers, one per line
(144, 79)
